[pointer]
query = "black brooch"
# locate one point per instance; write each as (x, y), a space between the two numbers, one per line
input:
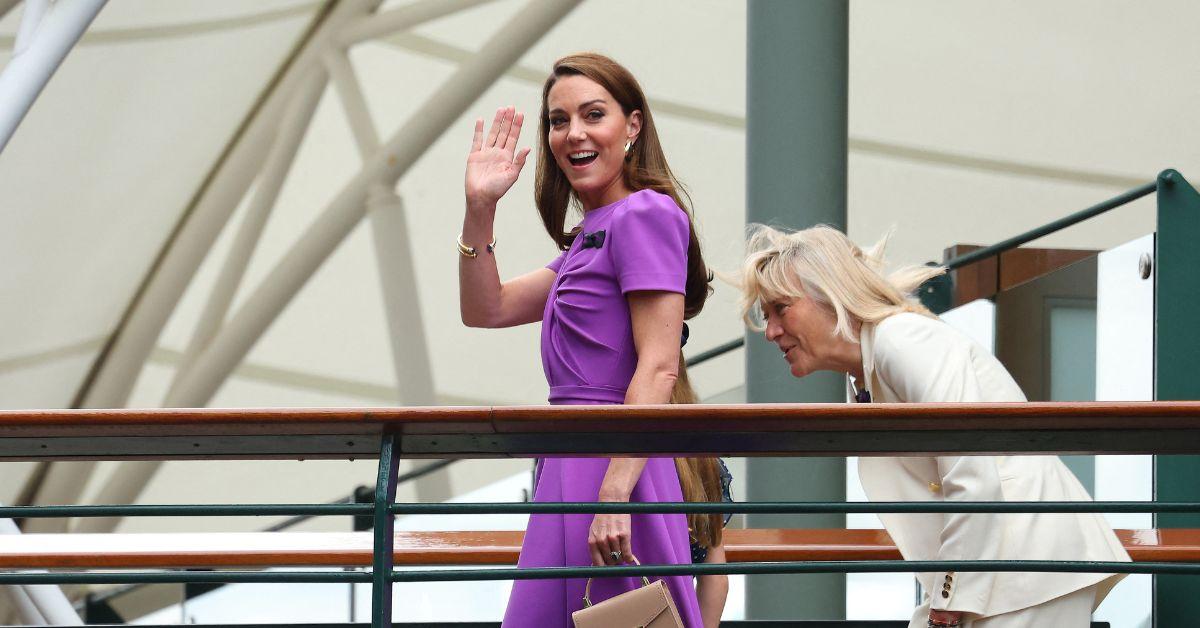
(593, 240)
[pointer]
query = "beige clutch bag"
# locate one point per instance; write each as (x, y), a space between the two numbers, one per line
(649, 606)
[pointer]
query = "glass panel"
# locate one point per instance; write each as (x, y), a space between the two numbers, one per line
(1125, 372)
(1072, 368)
(1046, 364)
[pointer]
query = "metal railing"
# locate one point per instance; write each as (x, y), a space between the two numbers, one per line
(994, 250)
(822, 429)
(800, 430)
(361, 496)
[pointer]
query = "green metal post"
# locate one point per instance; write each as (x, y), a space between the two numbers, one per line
(385, 526)
(1176, 341)
(796, 123)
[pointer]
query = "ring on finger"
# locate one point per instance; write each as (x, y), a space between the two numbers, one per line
(615, 555)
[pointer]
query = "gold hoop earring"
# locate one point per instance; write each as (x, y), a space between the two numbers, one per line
(628, 144)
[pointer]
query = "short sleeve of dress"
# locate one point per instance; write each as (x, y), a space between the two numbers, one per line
(649, 244)
(557, 263)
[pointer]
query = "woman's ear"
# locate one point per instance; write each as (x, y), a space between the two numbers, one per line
(634, 125)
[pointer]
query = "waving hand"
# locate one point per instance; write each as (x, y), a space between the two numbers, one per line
(495, 163)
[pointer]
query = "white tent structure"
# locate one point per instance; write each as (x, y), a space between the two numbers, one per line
(230, 204)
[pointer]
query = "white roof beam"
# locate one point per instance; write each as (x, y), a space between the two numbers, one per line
(348, 207)
(45, 37)
(39, 604)
(291, 131)
(135, 339)
(234, 340)
(394, 260)
(403, 18)
(119, 366)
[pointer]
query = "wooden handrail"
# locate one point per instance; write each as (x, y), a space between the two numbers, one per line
(755, 429)
(353, 549)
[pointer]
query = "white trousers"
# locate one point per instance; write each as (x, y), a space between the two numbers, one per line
(1073, 610)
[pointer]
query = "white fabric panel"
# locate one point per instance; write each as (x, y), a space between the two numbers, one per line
(140, 14)
(335, 326)
(109, 156)
(1061, 84)
(692, 51)
(32, 384)
(932, 208)
(12, 479)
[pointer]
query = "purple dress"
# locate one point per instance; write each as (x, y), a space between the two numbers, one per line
(637, 243)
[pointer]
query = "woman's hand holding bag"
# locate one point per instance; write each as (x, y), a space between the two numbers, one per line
(649, 606)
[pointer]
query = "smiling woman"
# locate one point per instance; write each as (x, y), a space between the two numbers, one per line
(589, 138)
(827, 306)
(814, 289)
(612, 307)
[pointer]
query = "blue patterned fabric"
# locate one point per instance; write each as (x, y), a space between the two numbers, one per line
(700, 554)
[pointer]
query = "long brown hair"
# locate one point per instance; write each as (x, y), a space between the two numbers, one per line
(699, 478)
(645, 165)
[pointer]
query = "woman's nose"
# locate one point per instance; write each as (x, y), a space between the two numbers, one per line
(772, 332)
(577, 133)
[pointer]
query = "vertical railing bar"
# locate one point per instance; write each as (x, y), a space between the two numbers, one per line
(385, 524)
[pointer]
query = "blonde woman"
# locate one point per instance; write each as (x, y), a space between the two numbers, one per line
(827, 305)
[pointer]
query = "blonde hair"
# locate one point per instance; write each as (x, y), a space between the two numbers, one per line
(822, 264)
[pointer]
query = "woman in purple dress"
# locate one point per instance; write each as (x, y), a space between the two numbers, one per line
(612, 307)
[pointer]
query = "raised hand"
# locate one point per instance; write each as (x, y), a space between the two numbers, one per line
(494, 162)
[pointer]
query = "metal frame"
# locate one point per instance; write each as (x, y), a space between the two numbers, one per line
(266, 151)
(383, 510)
(936, 294)
(117, 367)
(48, 34)
(385, 528)
(1176, 337)
(38, 605)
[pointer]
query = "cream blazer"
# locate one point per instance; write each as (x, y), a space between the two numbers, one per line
(912, 358)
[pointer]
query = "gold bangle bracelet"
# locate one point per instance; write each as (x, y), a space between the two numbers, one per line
(469, 251)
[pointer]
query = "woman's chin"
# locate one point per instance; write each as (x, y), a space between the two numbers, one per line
(585, 186)
(799, 370)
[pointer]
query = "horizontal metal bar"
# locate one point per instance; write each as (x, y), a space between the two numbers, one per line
(176, 577)
(1051, 227)
(725, 623)
(718, 350)
(511, 431)
(547, 573)
(296, 520)
(27, 512)
(189, 510)
(866, 566)
(414, 474)
(265, 510)
(736, 508)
